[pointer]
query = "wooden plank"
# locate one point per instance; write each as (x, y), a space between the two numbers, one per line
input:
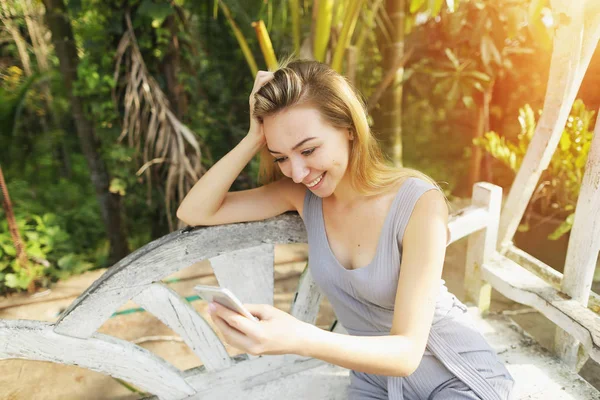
(482, 244)
(570, 58)
(546, 272)
(522, 286)
(582, 252)
(34, 340)
(466, 221)
(164, 256)
(305, 305)
(584, 243)
(248, 273)
(181, 317)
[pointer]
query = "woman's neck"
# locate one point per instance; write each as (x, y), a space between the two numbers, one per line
(345, 195)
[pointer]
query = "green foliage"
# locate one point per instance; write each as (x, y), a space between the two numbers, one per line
(50, 249)
(156, 11)
(433, 141)
(560, 183)
(48, 176)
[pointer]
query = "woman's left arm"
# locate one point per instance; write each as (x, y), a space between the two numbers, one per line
(423, 252)
(400, 353)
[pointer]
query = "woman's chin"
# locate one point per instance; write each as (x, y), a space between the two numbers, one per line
(322, 192)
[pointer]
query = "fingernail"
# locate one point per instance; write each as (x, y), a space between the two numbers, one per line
(211, 307)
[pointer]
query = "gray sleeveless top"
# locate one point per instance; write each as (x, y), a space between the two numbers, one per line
(363, 298)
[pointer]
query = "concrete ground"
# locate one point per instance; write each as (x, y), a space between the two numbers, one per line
(22, 379)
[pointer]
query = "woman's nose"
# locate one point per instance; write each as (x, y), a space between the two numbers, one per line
(299, 171)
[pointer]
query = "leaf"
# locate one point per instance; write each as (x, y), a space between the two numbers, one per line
(478, 75)
(453, 94)
(68, 261)
(322, 29)
(34, 249)
(265, 44)
(452, 58)
(523, 228)
(9, 249)
(49, 218)
(580, 162)
(563, 228)
(156, 11)
(539, 31)
(478, 86)
(512, 159)
(17, 281)
(565, 142)
(468, 102)
(349, 24)
(516, 18)
(435, 7)
(32, 236)
(242, 42)
(40, 221)
(486, 50)
(415, 5)
(118, 185)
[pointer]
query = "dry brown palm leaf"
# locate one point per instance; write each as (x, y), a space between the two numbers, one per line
(153, 129)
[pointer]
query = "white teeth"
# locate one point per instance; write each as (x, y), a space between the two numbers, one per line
(315, 182)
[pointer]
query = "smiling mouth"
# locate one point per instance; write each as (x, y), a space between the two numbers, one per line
(316, 181)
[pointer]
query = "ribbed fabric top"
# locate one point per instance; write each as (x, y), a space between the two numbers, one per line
(363, 298)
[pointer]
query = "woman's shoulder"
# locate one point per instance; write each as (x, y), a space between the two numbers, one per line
(412, 183)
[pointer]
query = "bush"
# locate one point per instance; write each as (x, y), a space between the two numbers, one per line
(558, 189)
(50, 251)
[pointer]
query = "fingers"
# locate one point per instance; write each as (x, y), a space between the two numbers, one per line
(231, 335)
(261, 311)
(237, 321)
(262, 77)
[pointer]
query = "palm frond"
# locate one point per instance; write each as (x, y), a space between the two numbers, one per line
(148, 122)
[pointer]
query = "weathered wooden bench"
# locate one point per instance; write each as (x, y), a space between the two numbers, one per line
(242, 257)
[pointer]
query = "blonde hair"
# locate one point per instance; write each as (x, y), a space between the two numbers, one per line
(299, 82)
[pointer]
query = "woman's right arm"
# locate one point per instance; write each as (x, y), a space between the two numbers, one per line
(209, 202)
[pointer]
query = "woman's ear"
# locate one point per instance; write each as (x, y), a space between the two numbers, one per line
(350, 134)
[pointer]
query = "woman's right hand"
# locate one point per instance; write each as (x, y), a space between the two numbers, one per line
(256, 126)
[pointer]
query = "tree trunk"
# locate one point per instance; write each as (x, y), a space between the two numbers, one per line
(6, 16)
(483, 126)
(110, 204)
(171, 66)
(41, 43)
(388, 125)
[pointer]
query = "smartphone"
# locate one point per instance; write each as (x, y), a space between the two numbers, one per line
(224, 297)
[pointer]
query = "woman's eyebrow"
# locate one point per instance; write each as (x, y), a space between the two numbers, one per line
(295, 147)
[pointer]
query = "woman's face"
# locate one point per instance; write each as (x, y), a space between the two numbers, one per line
(307, 149)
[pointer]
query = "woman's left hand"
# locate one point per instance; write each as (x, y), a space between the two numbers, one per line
(276, 332)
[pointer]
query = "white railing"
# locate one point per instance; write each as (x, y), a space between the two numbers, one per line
(576, 38)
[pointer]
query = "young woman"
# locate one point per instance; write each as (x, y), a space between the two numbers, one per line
(377, 238)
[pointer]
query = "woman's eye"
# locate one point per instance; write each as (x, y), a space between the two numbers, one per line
(280, 159)
(308, 152)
